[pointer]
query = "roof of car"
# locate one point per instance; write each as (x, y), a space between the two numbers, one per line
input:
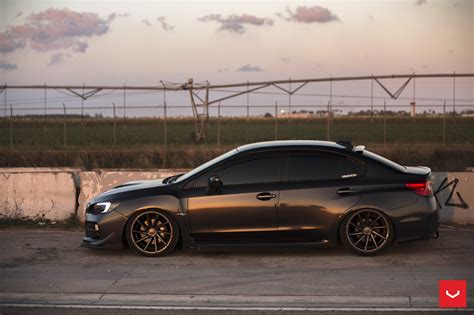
(284, 143)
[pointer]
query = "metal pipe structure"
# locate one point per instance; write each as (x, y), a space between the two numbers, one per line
(201, 108)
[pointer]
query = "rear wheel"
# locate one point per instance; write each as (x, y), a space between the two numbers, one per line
(366, 232)
(152, 233)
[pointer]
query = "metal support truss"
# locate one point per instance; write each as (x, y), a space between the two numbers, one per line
(200, 105)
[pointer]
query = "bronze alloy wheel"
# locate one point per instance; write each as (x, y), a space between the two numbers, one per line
(367, 232)
(152, 233)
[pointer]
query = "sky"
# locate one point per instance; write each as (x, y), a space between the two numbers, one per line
(143, 42)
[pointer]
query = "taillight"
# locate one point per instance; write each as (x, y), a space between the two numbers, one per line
(422, 189)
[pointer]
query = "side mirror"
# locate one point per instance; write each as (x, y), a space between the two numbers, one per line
(214, 182)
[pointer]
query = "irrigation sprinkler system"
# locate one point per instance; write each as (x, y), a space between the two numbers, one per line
(200, 105)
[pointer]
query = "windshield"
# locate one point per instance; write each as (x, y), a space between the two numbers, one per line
(383, 160)
(206, 165)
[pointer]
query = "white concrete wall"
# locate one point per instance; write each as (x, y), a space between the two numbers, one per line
(51, 193)
(37, 194)
(455, 195)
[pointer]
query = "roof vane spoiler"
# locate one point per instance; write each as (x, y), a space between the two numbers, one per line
(346, 143)
(349, 146)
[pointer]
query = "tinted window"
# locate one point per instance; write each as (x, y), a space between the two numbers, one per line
(301, 168)
(351, 167)
(264, 170)
(313, 168)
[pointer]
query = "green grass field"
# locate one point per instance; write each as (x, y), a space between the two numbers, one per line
(139, 142)
(233, 131)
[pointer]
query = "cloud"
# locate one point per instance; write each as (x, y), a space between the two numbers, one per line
(19, 14)
(7, 66)
(146, 22)
(58, 58)
(165, 25)
(420, 2)
(236, 23)
(249, 68)
(314, 14)
(55, 29)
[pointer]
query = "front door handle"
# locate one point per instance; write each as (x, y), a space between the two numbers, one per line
(345, 191)
(265, 196)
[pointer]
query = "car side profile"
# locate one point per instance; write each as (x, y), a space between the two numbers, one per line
(279, 194)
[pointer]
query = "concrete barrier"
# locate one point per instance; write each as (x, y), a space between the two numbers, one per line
(56, 194)
(37, 194)
(454, 193)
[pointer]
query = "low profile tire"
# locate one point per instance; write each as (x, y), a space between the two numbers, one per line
(366, 232)
(152, 233)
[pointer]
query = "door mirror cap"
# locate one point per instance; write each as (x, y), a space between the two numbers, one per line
(214, 182)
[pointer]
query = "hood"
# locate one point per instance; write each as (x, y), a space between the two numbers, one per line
(127, 188)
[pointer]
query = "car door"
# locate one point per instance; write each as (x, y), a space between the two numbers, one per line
(244, 210)
(317, 187)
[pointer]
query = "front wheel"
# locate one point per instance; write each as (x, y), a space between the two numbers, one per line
(366, 232)
(152, 233)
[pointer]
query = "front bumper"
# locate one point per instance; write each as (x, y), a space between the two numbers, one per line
(104, 229)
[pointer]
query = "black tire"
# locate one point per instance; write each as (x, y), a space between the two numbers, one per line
(366, 232)
(152, 233)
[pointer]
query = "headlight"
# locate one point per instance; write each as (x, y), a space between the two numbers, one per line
(102, 207)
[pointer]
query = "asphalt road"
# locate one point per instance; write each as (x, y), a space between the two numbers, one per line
(46, 271)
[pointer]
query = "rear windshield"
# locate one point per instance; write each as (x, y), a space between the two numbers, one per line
(383, 160)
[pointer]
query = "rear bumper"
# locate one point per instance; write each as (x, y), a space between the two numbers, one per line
(417, 221)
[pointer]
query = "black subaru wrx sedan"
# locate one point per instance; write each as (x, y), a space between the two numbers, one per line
(279, 193)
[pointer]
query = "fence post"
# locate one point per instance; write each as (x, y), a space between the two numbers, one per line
(454, 95)
(64, 127)
(290, 111)
(124, 104)
(5, 101)
(372, 99)
(11, 127)
(248, 96)
(444, 123)
(165, 127)
(44, 105)
(219, 125)
(328, 123)
(115, 136)
(384, 123)
(276, 120)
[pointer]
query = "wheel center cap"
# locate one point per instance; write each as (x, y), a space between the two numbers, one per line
(152, 232)
(367, 230)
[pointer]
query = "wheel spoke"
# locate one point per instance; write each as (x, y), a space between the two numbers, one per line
(373, 239)
(356, 233)
(360, 239)
(161, 240)
(366, 243)
(380, 227)
(156, 245)
(356, 226)
(379, 235)
(148, 244)
(142, 224)
(160, 225)
(147, 236)
(375, 221)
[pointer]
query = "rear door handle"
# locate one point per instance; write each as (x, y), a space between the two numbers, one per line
(265, 196)
(345, 191)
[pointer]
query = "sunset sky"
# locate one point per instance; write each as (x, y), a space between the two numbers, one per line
(143, 42)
